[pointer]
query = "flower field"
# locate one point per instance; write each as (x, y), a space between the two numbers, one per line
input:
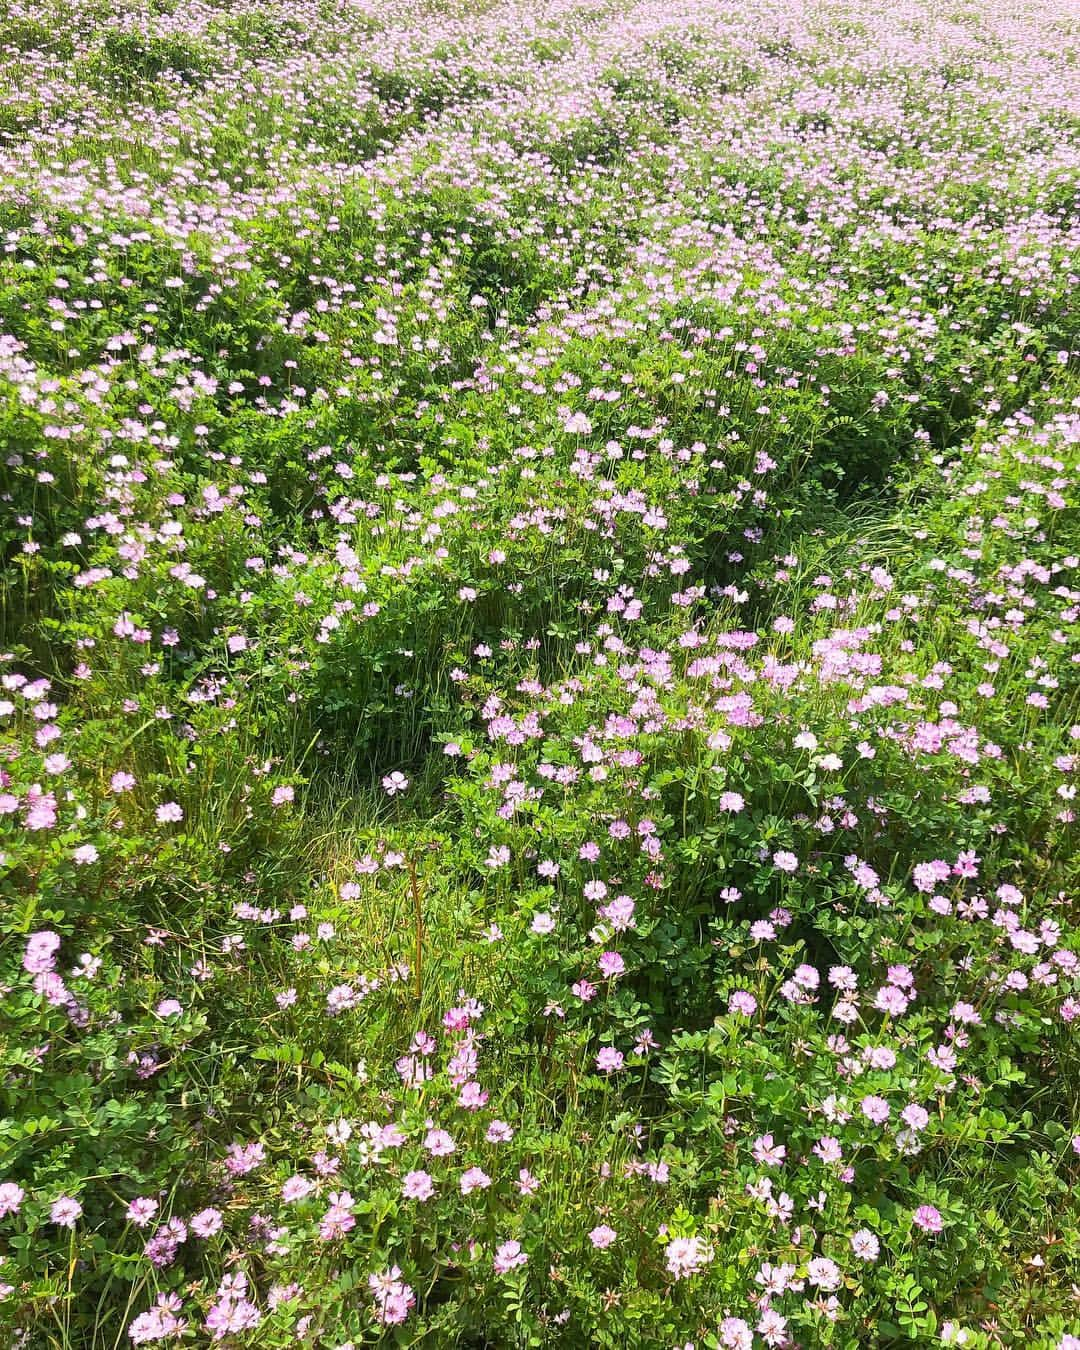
(539, 674)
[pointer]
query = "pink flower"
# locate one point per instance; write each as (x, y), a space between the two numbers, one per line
(928, 875)
(141, 1211)
(915, 1117)
(768, 1153)
(472, 1097)
(40, 955)
(686, 1256)
(65, 1211)
(475, 1179)
(230, 1314)
(393, 1299)
(206, 1223)
(11, 1198)
(159, 1323)
(338, 1219)
(508, 1255)
(824, 1274)
(611, 965)
(439, 1144)
(619, 913)
(161, 1249)
(244, 1158)
(169, 813)
(891, 1000)
(875, 1109)
(602, 1236)
(417, 1186)
(928, 1219)
(609, 1060)
(735, 1334)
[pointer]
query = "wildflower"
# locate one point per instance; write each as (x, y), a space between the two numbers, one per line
(342, 998)
(508, 1255)
(928, 1219)
(735, 1334)
(686, 1256)
(393, 1298)
(11, 1198)
(891, 1000)
(475, 1179)
(767, 1152)
(439, 1144)
(244, 1158)
(141, 1211)
(915, 1117)
(742, 1003)
(823, 1274)
(40, 955)
(472, 1097)
(338, 1219)
(772, 1328)
(417, 1186)
(611, 965)
(65, 1211)
(296, 1188)
(875, 1109)
(162, 1248)
(609, 1060)
(394, 783)
(168, 813)
(230, 1314)
(206, 1223)
(602, 1236)
(159, 1323)
(865, 1245)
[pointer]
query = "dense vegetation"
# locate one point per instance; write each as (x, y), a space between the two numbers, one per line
(539, 721)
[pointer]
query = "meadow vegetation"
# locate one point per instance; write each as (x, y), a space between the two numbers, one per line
(539, 674)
